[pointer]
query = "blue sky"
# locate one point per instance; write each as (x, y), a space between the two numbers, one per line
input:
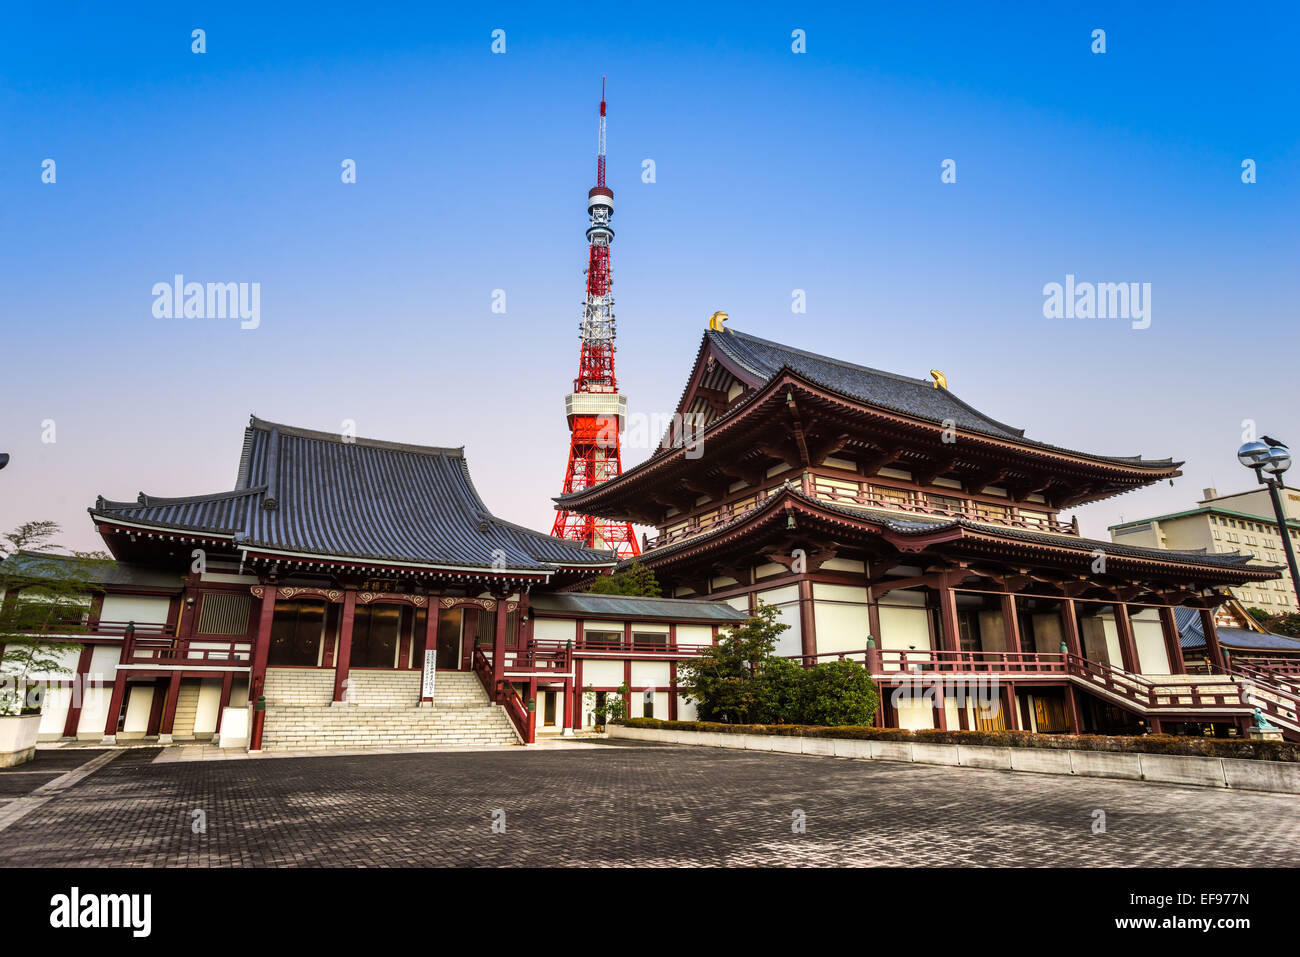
(775, 171)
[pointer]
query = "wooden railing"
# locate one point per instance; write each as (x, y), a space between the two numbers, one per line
(503, 693)
(157, 650)
(916, 503)
(1276, 694)
(640, 646)
(1145, 694)
(99, 626)
(913, 503)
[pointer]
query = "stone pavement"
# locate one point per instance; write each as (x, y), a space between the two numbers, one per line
(626, 805)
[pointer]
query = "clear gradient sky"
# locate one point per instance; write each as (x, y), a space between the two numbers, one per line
(775, 171)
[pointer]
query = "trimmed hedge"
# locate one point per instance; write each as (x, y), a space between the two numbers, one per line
(1145, 744)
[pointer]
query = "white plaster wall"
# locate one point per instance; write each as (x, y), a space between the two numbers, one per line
(790, 642)
(685, 709)
(554, 629)
(841, 627)
(695, 634)
(654, 673)
(54, 712)
(138, 703)
(915, 715)
(103, 662)
(902, 626)
(142, 609)
(94, 711)
(1149, 637)
(854, 593)
(844, 565)
(205, 716)
(602, 673)
(67, 659)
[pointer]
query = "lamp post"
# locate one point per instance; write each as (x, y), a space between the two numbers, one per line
(1270, 459)
(4, 459)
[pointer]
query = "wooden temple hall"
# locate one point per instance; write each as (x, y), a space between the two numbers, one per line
(892, 523)
(354, 592)
(350, 593)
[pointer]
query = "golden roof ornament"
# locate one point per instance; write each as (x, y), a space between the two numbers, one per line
(940, 380)
(716, 320)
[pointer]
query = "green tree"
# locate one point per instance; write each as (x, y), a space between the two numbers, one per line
(636, 579)
(1286, 623)
(725, 681)
(44, 593)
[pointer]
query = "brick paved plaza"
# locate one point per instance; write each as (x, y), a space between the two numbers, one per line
(642, 805)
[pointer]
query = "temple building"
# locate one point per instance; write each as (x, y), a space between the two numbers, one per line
(891, 522)
(350, 592)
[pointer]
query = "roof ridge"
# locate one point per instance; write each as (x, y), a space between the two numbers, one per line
(263, 425)
(146, 499)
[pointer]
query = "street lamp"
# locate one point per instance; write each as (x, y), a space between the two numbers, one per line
(1270, 458)
(4, 459)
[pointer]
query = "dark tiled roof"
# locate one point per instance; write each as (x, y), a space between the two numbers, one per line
(317, 493)
(917, 397)
(1192, 635)
(634, 607)
(93, 571)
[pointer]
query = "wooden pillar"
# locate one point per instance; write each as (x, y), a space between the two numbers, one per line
(1173, 647)
(115, 707)
(1070, 628)
(343, 657)
(807, 621)
(499, 646)
(1012, 718)
(404, 641)
(577, 694)
(531, 708)
(1127, 646)
(873, 617)
(169, 708)
(262, 645)
(627, 680)
(672, 688)
(1212, 646)
(948, 617)
(1072, 709)
(430, 640)
(566, 716)
(940, 708)
(1011, 623)
(78, 691)
(156, 701)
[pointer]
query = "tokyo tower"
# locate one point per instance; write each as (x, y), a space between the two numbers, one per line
(595, 409)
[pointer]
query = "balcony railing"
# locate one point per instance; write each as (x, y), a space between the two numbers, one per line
(178, 652)
(866, 496)
(99, 626)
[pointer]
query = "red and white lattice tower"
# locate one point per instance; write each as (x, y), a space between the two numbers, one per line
(595, 409)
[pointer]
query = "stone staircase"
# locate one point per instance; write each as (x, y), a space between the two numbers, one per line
(382, 712)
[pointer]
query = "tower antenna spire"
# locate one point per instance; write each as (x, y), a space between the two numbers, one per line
(595, 409)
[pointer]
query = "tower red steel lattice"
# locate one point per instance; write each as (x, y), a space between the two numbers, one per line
(595, 409)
